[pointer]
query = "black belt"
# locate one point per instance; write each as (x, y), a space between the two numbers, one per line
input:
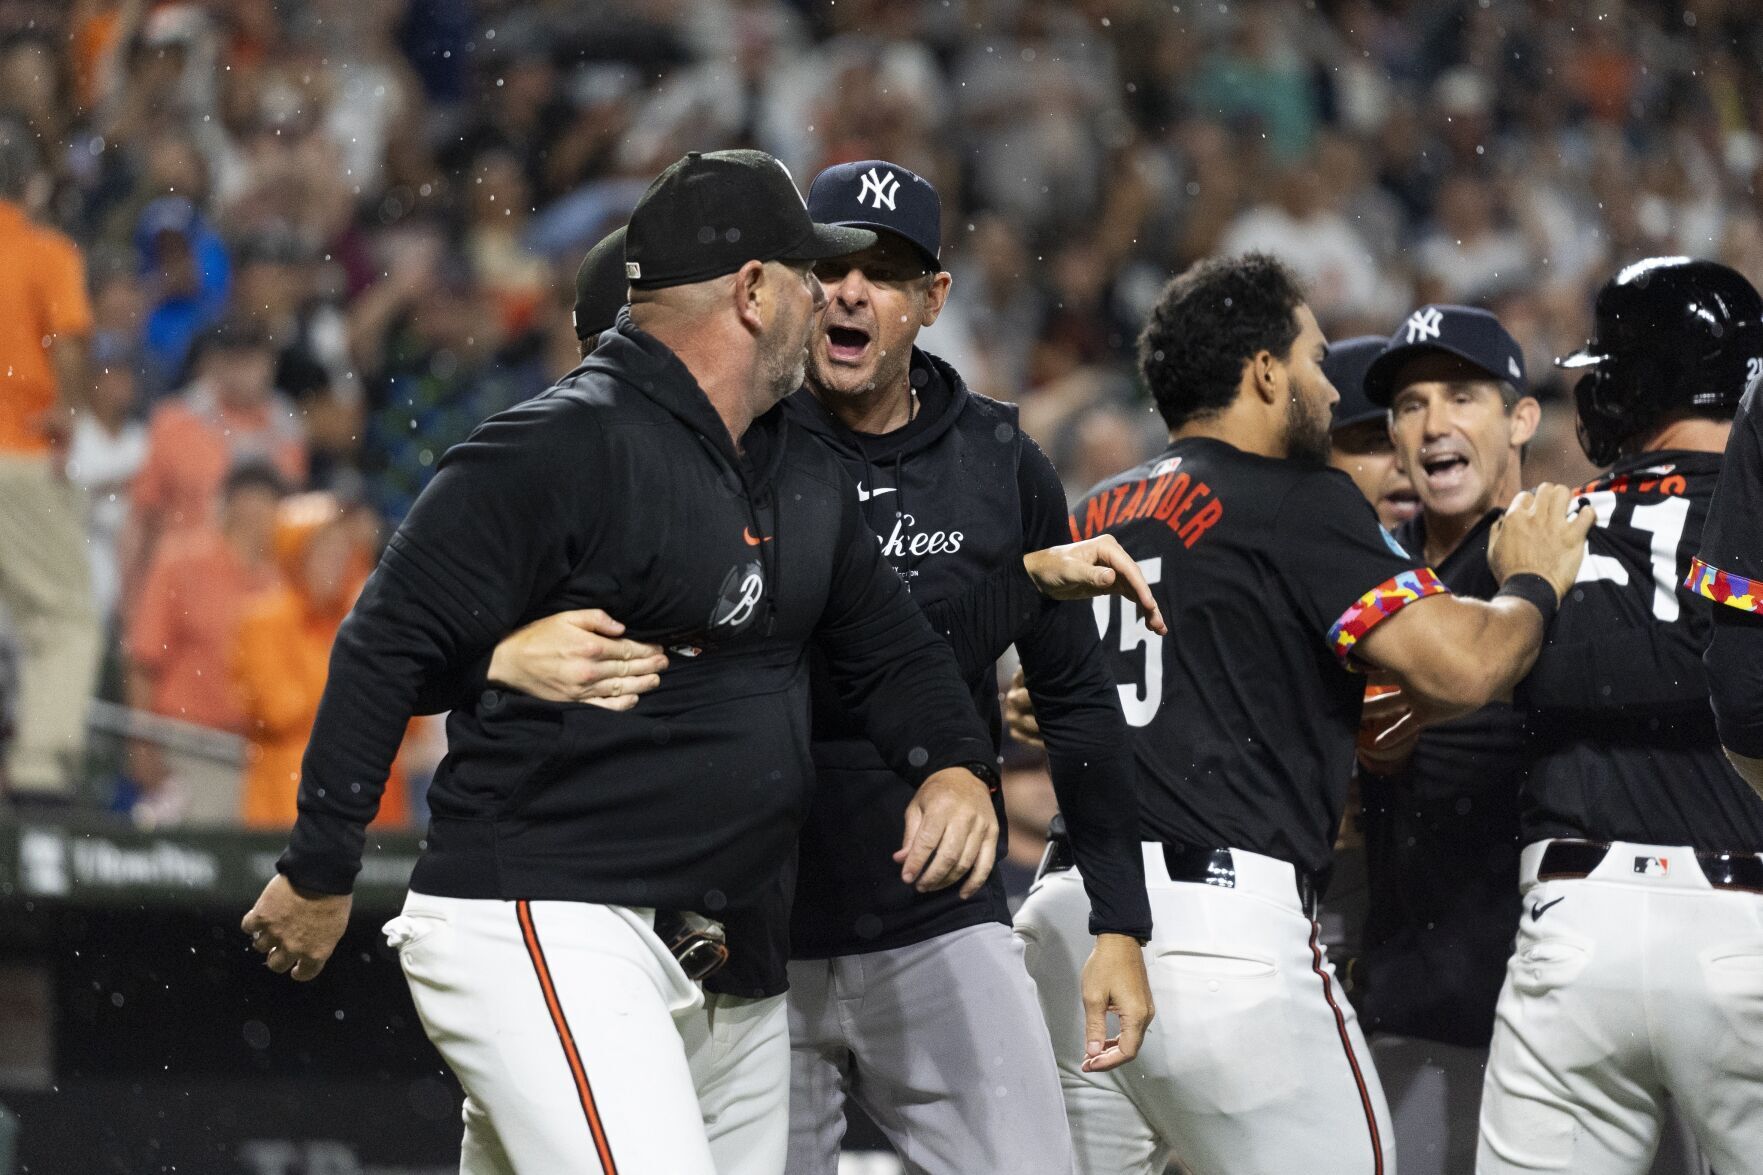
(1570, 860)
(1185, 862)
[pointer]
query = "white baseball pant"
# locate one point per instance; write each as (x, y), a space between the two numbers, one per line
(1255, 1064)
(585, 1050)
(1638, 985)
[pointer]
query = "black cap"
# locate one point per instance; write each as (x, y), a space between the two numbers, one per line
(601, 289)
(1345, 365)
(883, 196)
(1470, 334)
(710, 213)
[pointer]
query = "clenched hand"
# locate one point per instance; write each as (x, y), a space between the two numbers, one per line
(296, 929)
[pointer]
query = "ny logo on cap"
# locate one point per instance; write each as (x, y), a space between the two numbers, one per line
(885, 187)
(1424, 324)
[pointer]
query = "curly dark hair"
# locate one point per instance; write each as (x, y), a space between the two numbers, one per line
(1210, 321)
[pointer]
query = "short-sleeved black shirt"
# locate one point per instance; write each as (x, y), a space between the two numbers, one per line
(1620, 727)
(1729, 567)
(1267, 572)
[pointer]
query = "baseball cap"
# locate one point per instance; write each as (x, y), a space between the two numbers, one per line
(1471, 334)
(1345, 365)
(600, 286)
(712, 212)
(881, 196)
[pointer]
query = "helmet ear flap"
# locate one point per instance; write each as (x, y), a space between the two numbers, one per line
(1612, 406)
(1593, 420)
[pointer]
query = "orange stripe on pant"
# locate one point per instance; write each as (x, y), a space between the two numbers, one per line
(1347, 1047)
(537, 954)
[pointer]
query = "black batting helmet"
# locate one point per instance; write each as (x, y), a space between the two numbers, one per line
(1671, 335)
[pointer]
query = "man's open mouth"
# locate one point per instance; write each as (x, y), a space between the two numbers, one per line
(1445, 470)
(846, 344)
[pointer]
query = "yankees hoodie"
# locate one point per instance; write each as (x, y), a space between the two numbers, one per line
(953, 500)
(620, 488)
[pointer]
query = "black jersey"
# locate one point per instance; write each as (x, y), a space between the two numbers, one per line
(1620, 728)
(1441, 849)
(1729, 567)
(1267, 572)
(1729, 571)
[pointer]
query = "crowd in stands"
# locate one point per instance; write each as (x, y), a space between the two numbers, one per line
(305, 247)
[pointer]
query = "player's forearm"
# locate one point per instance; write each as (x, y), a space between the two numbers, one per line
(355, 737)
(1456, 655)
(982, 621)
(396, 637)
(1090, 758)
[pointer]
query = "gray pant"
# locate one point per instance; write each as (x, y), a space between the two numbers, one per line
(1434, 1091)
(941, 1043)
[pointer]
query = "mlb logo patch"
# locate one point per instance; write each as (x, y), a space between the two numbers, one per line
(1167, 465)
(1652, 866)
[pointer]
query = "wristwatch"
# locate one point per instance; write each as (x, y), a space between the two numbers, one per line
(987, 772)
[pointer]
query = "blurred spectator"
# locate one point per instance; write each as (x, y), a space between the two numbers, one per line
(277, 287)
(514, 277)
(107, 449)
(231, 414)
(433, 367)
(281, 655)
(182, 626)
(1258, 76)
(1469, 256)
(45, 580)
(188, 274)
(1301, 227)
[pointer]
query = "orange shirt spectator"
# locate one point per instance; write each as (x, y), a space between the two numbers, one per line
(282, 656)
(184, 620)
(42, 299)
(230, 416)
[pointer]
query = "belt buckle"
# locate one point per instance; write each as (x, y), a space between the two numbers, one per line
(699, 944)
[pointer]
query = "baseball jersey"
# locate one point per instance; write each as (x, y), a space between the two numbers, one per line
(1621, 733)
(1267, 572)
(1441, 847)
(1729, 571)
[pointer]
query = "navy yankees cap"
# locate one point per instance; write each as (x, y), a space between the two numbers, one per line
(1470, 334)
(1345, 365)
(712, 212)
(884, 197)
(601, 288)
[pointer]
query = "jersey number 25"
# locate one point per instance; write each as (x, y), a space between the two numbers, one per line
(1138, 703)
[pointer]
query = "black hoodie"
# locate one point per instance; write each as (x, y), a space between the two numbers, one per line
(620, 489)
(954, 499)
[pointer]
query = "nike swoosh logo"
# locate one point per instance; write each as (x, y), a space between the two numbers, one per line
(864, 495)
(1538, 909)
(747, 533)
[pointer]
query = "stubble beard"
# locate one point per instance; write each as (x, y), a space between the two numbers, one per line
(1306, 437)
